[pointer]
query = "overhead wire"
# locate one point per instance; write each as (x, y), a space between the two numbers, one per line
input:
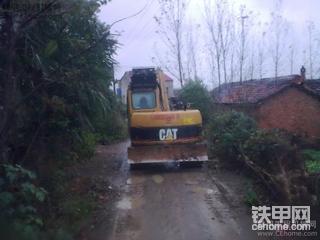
(142, 29)
(145, 30)
(128, 17)
(137, 23)
(144, 21)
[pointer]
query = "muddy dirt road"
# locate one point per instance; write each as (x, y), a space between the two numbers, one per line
(175, 204)
(178, 205)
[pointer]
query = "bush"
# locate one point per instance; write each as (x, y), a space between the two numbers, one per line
(226, 134)
(85, 147)
(19, 199)
(312, 160)
(60, 101)
(251, 197)
(114, 126)
(278, 164)
(195, 93)
(270, 156)
(75, 210)
(272, 150)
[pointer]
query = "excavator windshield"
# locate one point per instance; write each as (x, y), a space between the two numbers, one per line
(143, 100)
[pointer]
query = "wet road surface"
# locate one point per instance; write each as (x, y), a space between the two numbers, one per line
(178, 204)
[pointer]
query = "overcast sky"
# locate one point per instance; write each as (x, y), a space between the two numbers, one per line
(138, 34)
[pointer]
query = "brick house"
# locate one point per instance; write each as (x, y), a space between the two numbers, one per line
(289, 102)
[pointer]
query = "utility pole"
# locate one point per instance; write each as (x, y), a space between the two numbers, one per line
(243, 39)
(113, 80)
(310, 33)
(291, 58)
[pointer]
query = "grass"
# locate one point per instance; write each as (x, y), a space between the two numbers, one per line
(251, 197)
(73, 206)
(312, 160)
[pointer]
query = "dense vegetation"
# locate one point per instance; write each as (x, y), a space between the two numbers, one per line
(271, 156)
(196, 94)
(312, 158)
(227, 133)
(56, 62)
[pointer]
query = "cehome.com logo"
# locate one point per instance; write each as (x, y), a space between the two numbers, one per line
(282, 219)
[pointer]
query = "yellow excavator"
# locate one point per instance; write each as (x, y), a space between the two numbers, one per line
(159, 133)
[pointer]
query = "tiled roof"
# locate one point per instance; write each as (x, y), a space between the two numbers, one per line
(126, 76)
(313, 85)
(253, 91)
(167, 77)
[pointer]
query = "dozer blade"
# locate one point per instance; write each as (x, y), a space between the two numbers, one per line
(193, 152)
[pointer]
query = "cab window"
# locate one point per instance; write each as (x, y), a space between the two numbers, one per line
(143, 100)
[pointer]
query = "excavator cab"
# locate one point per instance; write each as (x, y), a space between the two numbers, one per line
(159, 134)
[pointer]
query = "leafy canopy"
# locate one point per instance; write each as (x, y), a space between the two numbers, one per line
(197, 95)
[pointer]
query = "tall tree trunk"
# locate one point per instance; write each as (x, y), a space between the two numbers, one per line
(180, 68)
(9, 84)
(224, 67)
(178, 39)
(219, 70)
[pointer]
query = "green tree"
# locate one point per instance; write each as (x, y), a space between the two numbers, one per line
(57, 73)
(197, 95)
(56, 62)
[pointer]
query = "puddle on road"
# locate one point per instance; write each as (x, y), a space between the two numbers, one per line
(198, 189)
(210, 191)
(207, 191)
(124, 204)
(191, 182)
(157, 179)
(129, 181)
(136, 179)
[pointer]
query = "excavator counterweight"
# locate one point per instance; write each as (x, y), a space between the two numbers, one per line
(158, 133)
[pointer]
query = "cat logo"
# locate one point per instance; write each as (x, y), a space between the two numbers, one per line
(168, 134)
